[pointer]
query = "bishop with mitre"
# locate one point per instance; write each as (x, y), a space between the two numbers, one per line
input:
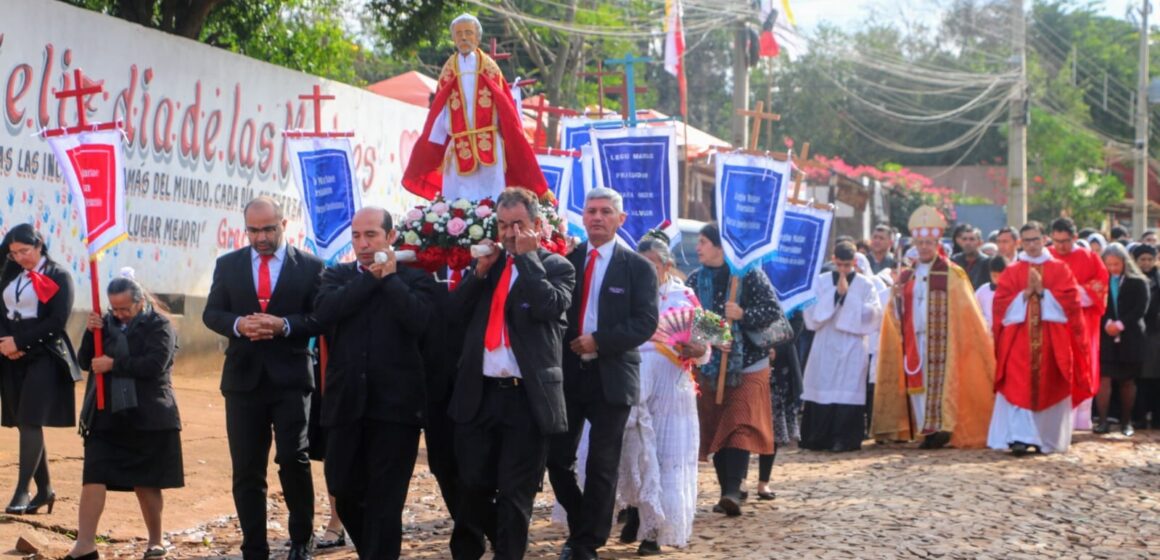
(473, 144)
(936, 363)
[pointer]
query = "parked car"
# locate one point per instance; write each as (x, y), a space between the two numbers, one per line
(685, 252)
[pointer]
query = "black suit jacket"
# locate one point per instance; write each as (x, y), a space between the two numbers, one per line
(47, 333)
(1133, 347)
(535, 312)
(374, 329)
(143, 354)
(443, 341)
(285, 360)
(626, 317)
(979, 272)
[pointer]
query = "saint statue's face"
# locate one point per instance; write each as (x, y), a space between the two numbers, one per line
(466, 37)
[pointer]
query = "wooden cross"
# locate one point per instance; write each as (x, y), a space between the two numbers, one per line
(629, 100)
(758, 118)
(541, 107)
(599, 74)
(317, 98)
(630, 90)
(495, 54)
(797, 182)
(79, 92)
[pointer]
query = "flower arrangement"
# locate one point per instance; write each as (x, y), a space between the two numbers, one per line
(711, 328)
(441, 233)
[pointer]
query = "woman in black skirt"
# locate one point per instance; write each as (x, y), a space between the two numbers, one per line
(134, 442)
(37, 364)
(1123, 342)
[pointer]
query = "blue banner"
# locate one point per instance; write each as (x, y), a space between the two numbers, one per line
(750, 205)
(799, 257)
(640, 164)
(576, 134)
(323, 169)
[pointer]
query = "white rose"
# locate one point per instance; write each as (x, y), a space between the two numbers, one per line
(411, 238)
(461, 204)
(475, 232)
(431, 217)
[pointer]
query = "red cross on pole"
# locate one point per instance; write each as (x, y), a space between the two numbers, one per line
(79, 92)
(541, 107)
(317, 98)
(495, 54)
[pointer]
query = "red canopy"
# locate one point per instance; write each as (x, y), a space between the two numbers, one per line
(410, 87)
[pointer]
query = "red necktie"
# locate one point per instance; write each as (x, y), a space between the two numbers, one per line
(42, 285)
(264, 289)
(588, 270)
(496, 326)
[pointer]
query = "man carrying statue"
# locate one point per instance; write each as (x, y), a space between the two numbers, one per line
(472, 145)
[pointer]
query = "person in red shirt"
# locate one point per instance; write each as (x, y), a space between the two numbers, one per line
(1092, 277)
(1042, 365)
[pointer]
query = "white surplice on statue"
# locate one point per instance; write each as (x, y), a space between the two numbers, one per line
(486, 181)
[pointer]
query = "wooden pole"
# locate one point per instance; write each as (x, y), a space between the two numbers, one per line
(797, 184)
(721, 373)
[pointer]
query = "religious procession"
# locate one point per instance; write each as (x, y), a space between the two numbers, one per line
(532, 305)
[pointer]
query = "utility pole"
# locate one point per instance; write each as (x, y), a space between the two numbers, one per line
(1140, 186)
(740, 83)
(1017, 119)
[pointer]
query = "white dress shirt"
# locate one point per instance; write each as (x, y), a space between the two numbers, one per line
(592, 308)
(501, 362)
(275, 266)
(19, 297)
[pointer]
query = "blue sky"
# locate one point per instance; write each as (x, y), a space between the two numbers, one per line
(847, 13)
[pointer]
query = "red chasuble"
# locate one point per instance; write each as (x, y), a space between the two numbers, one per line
(473, 143)
(1092, 277)
(1039, 363)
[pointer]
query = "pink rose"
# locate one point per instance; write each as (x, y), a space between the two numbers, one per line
(440, 208)
(482, 211)
(456, 227)
(414, 215)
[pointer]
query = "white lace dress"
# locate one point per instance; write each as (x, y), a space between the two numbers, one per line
(658, 463)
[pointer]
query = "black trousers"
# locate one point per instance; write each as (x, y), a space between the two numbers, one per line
(368, 469)
(249, 418)
(440, 437)
(589, 510)
(501, 455)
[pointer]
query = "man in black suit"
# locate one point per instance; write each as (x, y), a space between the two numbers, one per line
(614, 311)
(509, 395)
(262, 299)
(374, 398)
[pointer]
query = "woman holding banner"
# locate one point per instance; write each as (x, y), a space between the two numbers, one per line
(658, 464)
(743, 423)
(134, 442)
(37, 364)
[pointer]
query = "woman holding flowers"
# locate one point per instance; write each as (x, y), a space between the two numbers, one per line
(658, 463)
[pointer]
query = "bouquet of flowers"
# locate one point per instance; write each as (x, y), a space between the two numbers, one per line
(711, 328)
(441, 233)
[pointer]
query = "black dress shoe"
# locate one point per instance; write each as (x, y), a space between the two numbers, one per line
(567, 553)
(730, 506)
(1103, 428)
(762, 495)
(94, 555)
(338, 540)
(301, 551)
(1018, 449)
(937, 440)
(648, 548)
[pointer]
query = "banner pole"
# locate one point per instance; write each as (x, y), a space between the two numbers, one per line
(98, 340)
(797, 185)
(721, 373)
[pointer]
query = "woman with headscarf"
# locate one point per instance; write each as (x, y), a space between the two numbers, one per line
(37, 365)
(743, 423)
(1123, 343)
(134, 442)
(658, 463)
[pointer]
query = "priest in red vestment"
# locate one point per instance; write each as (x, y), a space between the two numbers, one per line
(1042, 366)
(1092, 277)
(473, 143)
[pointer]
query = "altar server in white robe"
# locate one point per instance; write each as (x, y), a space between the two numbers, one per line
(848, 309)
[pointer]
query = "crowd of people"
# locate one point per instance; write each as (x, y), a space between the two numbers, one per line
(539, 363)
